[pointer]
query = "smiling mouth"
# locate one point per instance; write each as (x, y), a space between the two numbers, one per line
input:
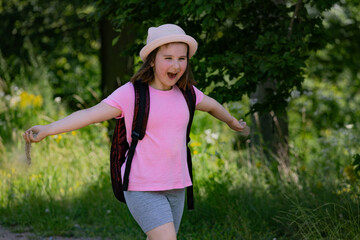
(172, 75)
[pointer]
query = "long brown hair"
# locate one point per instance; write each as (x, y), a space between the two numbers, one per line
(146, 72)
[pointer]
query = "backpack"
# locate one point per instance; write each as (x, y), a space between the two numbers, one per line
(120, 146)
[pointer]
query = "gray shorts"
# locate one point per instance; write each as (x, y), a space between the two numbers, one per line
(153, 209)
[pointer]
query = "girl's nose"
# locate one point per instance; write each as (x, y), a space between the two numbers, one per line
(176, 64)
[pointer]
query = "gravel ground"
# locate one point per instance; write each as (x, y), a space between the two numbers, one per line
(8, 235)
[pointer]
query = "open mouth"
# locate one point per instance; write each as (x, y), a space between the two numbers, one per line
(172, 75)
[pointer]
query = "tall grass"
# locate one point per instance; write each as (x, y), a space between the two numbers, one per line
(238, 195)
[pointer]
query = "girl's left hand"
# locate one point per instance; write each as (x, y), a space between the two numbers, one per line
(239, 126)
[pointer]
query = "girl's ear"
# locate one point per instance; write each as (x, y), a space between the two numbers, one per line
(152, 64)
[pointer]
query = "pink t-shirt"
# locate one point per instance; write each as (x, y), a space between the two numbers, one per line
(160, 159)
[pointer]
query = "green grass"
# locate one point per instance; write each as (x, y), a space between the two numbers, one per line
(238, 195)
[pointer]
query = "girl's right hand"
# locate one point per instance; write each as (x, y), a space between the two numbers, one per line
(35, 134)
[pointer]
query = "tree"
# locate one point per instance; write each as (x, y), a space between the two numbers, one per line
(116, 67)
(258, 48)
(247, 47)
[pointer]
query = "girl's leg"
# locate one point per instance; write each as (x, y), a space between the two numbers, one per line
(168, 231)
(158, 213)
(163, 232)
(176, 199)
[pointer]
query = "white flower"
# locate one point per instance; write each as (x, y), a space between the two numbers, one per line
(57, 99)
(215, 136)
(14, 100)
(15, 88)
(7, 97)
(210, 137)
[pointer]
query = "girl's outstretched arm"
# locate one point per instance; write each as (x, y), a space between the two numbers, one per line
(76, 120)
(211, 106)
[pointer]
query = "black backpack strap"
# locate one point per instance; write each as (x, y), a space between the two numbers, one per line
(141, 113)
(190, 98)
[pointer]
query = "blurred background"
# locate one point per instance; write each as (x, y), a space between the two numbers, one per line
(290, 68)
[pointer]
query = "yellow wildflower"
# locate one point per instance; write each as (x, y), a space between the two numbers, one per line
(58, 138)
(73, 133)
(33, 177)
(195, 152)
(258, 164)
(28, 99)
(25, 99)
(38, 101)
(343, 190)
(350, 173)
(195, 144)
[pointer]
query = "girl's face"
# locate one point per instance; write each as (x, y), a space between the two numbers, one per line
(169, 65)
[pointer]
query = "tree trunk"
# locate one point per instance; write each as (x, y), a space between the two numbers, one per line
(116, 68)
(270, 129)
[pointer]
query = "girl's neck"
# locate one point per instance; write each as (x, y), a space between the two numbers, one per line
(160, 87)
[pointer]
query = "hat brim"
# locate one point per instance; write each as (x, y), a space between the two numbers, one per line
(190, 41)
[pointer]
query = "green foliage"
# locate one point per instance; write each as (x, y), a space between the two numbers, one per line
(356, 165)
(19, 104)
(238, 195)
(62, 35)
(241, 43)
(329, 105)
(337, 67)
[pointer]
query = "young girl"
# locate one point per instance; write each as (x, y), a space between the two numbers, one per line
(159, 173)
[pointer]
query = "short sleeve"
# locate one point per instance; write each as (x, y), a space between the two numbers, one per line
(199, 95)
(121, 98)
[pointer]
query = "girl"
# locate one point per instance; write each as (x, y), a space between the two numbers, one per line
(159, 173)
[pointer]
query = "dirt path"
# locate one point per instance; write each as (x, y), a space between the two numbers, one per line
(7, 235)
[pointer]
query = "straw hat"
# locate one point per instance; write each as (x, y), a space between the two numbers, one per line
(164, 34)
